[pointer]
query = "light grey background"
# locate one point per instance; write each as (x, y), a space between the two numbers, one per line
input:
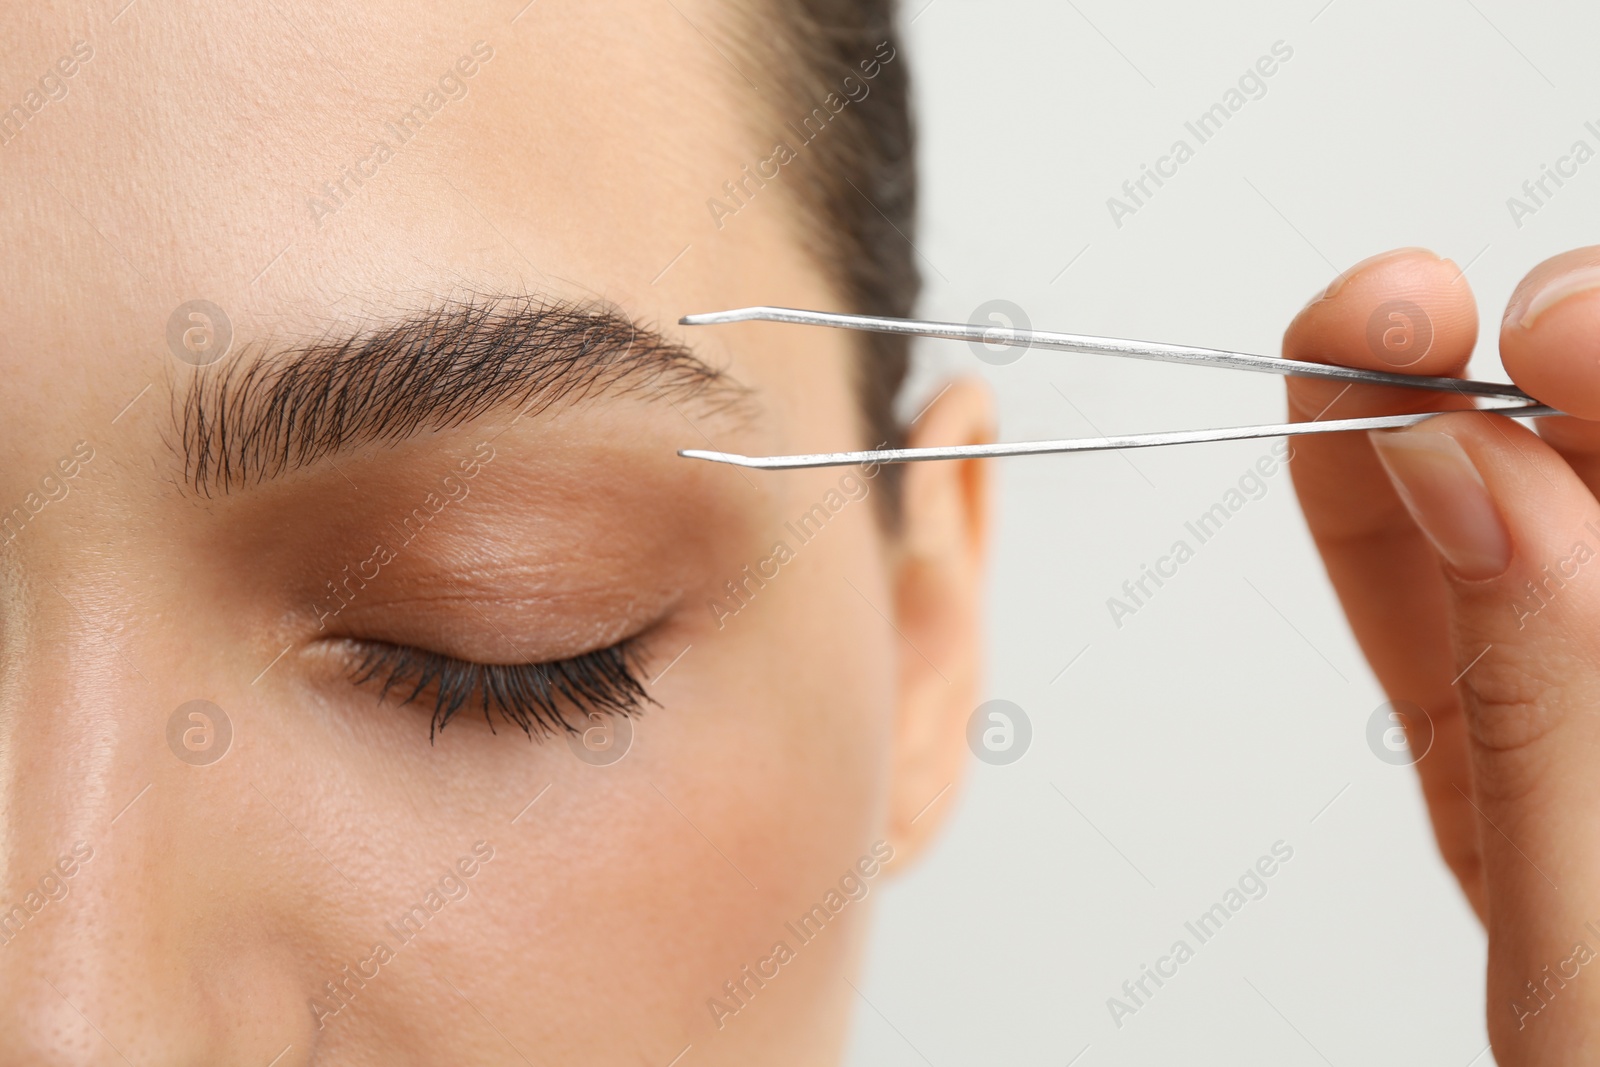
(1230, 712)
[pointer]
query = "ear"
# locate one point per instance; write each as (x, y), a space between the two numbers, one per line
(938, 595)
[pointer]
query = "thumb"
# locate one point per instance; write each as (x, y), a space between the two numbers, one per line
(1518, 539)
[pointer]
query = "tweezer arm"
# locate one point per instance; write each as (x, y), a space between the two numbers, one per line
(1110, 346)
(1091, 444)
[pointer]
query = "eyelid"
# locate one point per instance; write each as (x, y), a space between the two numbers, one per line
(532, 696)
(512, 612)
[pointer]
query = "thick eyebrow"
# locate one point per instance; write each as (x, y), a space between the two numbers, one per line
(265, 412)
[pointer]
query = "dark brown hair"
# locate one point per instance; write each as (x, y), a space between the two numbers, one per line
(855, 179)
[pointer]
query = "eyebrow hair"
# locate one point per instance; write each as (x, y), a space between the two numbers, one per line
(267, 412)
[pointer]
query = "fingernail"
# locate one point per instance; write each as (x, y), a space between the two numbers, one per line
(1333, 287)
(1526, 307)
(1447, 498)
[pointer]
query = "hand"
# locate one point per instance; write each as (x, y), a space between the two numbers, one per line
(1466, 553)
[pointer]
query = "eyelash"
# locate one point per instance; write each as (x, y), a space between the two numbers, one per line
(533, 696)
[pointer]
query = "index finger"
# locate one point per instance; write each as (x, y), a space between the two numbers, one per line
(1412, 312)
(1406, 311)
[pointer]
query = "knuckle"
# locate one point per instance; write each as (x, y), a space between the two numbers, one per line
(1508, 706)
(1511, 713)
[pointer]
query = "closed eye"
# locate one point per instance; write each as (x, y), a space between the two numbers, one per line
(541, 698)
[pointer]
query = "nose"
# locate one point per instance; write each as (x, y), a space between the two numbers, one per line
(122, 938)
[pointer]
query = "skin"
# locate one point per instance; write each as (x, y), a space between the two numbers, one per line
(208, 905)
(1510, 684)
(216, 901)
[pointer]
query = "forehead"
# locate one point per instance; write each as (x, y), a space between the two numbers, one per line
(202, 142)
(296, 165)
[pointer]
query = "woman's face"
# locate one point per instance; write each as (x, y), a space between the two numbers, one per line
(451, 245)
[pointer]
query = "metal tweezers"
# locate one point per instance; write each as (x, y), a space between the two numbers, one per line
(1108, 346)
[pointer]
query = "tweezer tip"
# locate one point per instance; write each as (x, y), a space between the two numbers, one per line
(705, 318)
(713, 318)
(716, 457)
